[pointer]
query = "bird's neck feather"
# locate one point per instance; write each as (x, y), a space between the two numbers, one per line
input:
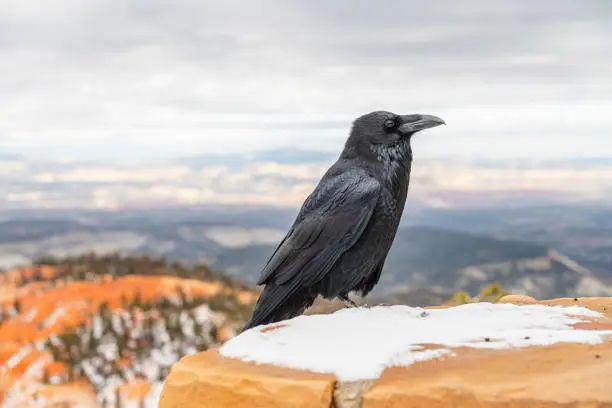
(400, 152)
(391, 162)
(395, 162)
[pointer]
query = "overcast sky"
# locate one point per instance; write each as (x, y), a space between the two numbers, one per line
(136, 79)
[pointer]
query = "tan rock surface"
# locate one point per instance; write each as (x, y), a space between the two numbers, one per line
(559, 376)
(518, 300)
(209, 380)
(563, 375)
(601, 305)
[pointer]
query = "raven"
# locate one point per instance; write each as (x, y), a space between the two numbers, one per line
(344, 230)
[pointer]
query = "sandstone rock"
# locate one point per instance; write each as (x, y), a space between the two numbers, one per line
(598, 304)
(558, 375)
(518, 300)
(350, 394)
(209, 380)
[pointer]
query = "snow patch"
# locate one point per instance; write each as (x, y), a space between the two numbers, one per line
(16, 358)
(58, 311)
(29, 317)
(357, 344)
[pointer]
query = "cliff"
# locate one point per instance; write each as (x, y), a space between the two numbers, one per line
(520, 352)
(90, 332)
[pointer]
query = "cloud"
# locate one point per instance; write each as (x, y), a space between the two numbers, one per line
(159, 78)
(439, 182)
(114, 175)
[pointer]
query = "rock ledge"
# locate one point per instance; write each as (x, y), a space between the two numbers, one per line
(559, 375)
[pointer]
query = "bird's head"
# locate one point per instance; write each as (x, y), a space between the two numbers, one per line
(382, 128)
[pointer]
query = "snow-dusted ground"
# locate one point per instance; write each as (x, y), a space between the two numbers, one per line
(167, 335)
(358, 344)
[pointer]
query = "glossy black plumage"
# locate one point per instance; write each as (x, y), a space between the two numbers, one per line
(344, 230)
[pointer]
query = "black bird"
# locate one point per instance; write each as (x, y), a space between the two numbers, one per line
(342, 235)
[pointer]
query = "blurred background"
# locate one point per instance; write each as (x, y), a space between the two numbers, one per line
(153, 153)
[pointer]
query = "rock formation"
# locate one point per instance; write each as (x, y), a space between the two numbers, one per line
(539, 356)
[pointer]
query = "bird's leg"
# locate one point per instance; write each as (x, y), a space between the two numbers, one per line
(348, 302)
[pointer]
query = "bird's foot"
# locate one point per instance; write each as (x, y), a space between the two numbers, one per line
(348, 302)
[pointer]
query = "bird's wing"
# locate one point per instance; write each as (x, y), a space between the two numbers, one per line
(331, 221)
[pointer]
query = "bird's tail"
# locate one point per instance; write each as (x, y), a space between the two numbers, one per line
(280, 302)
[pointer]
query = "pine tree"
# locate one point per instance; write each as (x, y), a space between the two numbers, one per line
(118, 402)
(45, 378)
(137, 302)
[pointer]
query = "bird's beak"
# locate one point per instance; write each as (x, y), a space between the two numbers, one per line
(415, 123)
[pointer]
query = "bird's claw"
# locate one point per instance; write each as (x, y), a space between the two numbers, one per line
(350, 303)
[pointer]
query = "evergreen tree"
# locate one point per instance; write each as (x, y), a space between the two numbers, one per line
(45, 378)
(137, 302)
(118, 402)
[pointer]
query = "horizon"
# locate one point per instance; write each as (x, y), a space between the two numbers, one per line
(284, 177)
(331, 153)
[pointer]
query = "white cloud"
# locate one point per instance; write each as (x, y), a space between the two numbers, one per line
(439, 182)
(133, 79)
(115, 175)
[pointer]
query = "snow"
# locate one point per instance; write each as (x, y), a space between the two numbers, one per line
(109, 349)
(97, 327)
(203, 314)
(116, 323)
(16, 358)
(53, 316)
(359, 343)
(35, 369)
(152, 399)
(29, 317)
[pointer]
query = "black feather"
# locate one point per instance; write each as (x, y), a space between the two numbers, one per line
(345, 228)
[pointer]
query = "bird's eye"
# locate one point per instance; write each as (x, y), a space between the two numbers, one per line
(389, 123)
